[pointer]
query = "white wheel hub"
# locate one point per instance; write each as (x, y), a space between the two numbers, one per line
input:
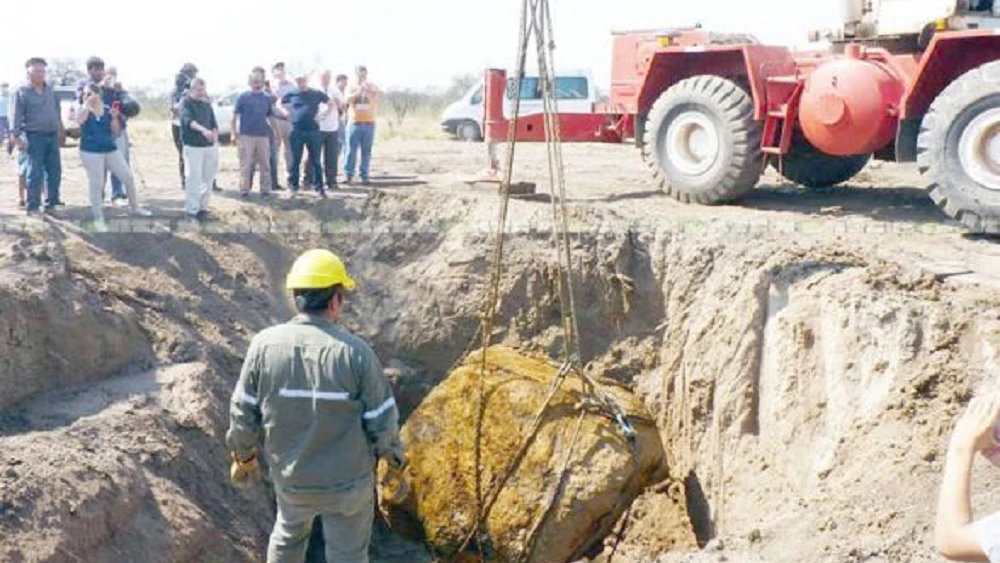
(979, 149)
(692, 143)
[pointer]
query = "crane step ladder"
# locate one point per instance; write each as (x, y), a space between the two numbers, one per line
(782, 95)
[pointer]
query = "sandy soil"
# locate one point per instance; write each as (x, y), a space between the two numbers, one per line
(804, 353)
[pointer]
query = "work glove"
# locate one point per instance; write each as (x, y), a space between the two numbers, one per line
(393, 488)
(244, 473)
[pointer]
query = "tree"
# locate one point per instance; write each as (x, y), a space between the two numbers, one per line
(154, 101)
(460, 85)
(65, 71)
(402, 102)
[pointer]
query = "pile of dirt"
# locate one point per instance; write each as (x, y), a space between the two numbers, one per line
(53, 333)
(127, 470)
(576, 478)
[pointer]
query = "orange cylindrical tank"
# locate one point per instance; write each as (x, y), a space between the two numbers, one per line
(494, 89)
(849, 106)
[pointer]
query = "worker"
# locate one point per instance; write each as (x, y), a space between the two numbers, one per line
(958, 536)
(313, 401)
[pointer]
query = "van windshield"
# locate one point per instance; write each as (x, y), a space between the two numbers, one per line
(567, 88)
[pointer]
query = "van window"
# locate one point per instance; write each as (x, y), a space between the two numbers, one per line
(571, 88)
(477, 97)
(567, 88)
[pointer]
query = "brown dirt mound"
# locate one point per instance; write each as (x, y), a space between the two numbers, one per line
(54, 333)
(127, 470)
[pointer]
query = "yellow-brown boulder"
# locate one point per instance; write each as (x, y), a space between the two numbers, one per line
(543, 514)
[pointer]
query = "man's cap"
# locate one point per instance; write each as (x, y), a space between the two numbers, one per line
(189, 69)
(278, 66)
(361, 68)
(36, 61)
(95, 62)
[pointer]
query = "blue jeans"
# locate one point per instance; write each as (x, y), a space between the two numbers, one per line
(44, 163)
(308, 140)
(362, 136)
(4, 127)
(117, 192)
(342, 140)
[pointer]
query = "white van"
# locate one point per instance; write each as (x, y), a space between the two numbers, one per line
(575, 91)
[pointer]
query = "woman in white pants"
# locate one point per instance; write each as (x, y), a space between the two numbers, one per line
(199, 134)
(99, 125)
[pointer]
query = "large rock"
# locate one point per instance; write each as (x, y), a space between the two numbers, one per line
(604, 475)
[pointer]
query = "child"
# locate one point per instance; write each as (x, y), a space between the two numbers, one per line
(21, 162)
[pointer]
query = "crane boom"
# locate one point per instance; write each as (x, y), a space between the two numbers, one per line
(873, 20)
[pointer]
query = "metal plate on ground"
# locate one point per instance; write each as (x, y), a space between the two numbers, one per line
(517, 189)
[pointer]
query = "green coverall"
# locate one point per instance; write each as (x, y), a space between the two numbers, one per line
(313, 399)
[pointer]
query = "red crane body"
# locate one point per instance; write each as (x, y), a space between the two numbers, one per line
(808, 109)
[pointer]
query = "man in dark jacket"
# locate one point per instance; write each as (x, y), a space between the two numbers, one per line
(303, 106)
(199, 135)
(182, 83)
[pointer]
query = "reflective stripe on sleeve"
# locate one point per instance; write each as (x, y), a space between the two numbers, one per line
(248, 398)
(310, 394)
(391, 402)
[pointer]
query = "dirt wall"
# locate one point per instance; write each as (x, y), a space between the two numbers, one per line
(809, 392)
(53, 333)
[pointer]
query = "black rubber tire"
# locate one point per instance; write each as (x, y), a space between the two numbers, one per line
(740, 162)
(468, 131)
(811, 168)
(976, 207)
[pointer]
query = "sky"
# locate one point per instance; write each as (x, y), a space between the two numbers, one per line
(404, 43)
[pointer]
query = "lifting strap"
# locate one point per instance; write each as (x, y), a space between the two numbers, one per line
(535, 18)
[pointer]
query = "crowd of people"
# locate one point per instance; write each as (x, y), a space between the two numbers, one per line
(272, 117)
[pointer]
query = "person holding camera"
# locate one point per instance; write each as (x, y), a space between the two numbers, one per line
(282, 86)
(182, 84)
(362, 100)
(956, 535)
(99, 127)
(130, 109)
(199, 136)
(111, 93)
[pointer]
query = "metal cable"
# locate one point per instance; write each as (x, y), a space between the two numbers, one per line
(493, 291)
(541, 23)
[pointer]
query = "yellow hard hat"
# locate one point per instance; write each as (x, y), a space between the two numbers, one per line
(318, 269)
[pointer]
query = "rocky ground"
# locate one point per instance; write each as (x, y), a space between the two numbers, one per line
(803, 354)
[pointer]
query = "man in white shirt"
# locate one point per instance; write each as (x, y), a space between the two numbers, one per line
(329, 126)
(957, 536)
